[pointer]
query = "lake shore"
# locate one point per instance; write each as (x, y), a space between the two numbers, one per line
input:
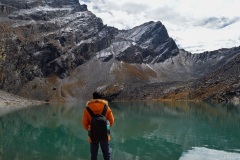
(8, 99)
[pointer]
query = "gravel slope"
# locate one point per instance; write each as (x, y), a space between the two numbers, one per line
(7, 99)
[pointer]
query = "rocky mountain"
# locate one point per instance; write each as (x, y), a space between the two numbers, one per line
(222, 85)
(58, 50)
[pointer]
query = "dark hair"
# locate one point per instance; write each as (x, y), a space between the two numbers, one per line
(97, 95)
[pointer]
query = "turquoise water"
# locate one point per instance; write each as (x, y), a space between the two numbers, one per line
(142, 131)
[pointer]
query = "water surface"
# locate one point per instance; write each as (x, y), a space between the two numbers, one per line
(142, 131)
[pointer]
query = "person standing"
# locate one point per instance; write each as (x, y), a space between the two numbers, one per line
(94, 117)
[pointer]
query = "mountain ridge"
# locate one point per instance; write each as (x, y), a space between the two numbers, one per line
(59, 51)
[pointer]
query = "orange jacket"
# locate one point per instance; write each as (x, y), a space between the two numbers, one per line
(96, 105)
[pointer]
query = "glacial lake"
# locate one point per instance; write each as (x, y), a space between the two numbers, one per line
(142, 131)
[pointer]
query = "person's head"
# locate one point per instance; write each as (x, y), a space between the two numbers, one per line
(97, 95)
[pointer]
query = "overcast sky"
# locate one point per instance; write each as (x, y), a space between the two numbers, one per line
(195, 25)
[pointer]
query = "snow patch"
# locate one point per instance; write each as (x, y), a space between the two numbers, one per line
(114, 49)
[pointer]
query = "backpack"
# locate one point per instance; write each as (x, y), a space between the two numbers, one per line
(99, 122)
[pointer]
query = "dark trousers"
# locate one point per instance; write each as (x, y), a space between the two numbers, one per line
(105, 150)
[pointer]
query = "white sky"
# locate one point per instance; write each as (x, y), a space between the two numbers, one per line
(195, 25)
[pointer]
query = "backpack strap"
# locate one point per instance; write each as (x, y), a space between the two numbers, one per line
(90, 111)
(104, 110)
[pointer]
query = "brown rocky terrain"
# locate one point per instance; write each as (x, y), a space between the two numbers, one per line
(222, 85)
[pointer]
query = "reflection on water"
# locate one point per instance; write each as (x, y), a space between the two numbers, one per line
(203, 153)
(43, 132)
(142, 130)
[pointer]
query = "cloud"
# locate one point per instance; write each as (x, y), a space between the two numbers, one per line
(198, 25)
(130, 7)
(218, 22)
(199, 39)
(86, 0)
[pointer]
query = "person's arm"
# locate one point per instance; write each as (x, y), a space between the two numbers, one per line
(85, 120)
(110, 117)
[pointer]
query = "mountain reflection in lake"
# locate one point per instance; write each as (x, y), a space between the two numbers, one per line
(142, 131)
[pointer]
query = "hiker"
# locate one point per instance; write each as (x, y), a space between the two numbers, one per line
(93, 122)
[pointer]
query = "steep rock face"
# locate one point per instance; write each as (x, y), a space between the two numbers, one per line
(27, 4)
(58, 50)
(147, 43)
(42, 41)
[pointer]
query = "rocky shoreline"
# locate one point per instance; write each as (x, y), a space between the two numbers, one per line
(11, 100)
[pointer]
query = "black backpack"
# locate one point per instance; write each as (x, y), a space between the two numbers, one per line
(99, 122)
